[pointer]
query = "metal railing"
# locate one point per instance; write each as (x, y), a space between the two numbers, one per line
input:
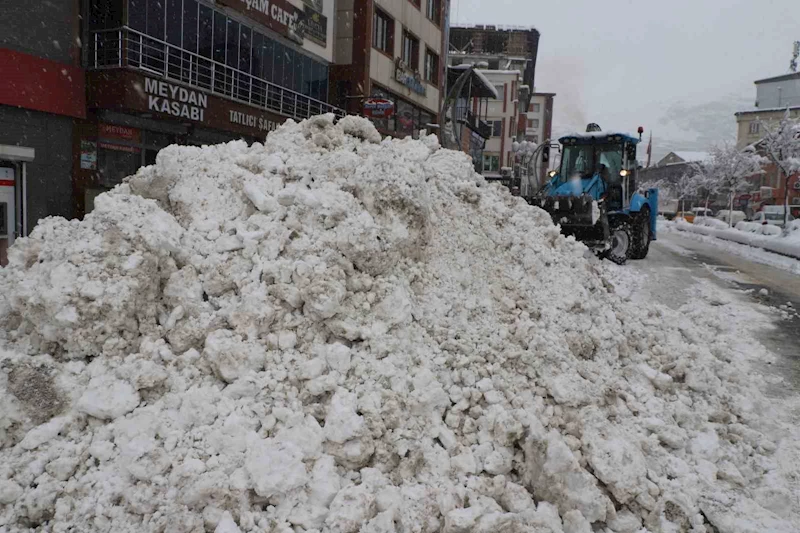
(124, 47)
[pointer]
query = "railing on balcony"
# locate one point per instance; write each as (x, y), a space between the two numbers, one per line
(124, 47)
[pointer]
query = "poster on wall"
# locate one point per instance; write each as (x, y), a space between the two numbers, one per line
(88, 155)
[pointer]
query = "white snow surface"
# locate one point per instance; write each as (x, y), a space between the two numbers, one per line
(326, 333)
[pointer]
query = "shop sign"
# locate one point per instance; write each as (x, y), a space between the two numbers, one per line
(277, 15)
(6, 177)
(175, 100)
(88, 155)
(112, 131)
(316, 27)
(119, 147)
(408, 78)
(378, 108)
(252, 121)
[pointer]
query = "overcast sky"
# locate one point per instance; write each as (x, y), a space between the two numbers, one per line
(654, 63)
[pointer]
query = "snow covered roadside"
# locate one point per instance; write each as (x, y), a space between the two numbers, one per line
(332, 333)
(767, 237)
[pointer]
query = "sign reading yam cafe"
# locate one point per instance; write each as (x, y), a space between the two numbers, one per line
(277, 15)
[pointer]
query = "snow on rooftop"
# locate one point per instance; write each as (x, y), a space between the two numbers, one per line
(488, 85)
(692, 157)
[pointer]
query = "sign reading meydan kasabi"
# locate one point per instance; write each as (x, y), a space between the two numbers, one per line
(277, 15)
(175, 100)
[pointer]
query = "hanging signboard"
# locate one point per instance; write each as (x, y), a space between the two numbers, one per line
(316, 26)
(123, 133)
(277, 15)
(378, 108)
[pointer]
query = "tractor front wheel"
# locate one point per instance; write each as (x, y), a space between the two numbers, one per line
(621, 242)
(641, 237)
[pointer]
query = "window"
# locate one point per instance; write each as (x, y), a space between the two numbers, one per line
(382, 31)
(755, 127)
(410, 51)
(491, 163)
(534, 123)
(501, 92)
(497, 128)
(530, 123)
(416, 3)
(433, 11)
(431, 67)
(536, 108)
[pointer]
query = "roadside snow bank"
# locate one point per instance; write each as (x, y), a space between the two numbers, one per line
(330, 333)
(769, 238)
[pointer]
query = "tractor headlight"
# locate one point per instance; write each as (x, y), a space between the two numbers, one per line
(623, 172)
(552, 173)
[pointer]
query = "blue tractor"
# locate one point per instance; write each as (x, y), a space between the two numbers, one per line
(594, 195)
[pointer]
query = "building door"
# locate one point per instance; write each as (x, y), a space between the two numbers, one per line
(7, 211)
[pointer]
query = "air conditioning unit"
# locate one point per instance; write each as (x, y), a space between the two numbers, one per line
(796, 185)
(796, 200)
(766, 193)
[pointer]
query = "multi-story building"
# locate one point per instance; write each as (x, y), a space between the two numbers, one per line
(42, 93)
(500, 47)
(502, 116)
(194, 72)
(773, 97)
(536, 125)
(390, 50)
(92, 89)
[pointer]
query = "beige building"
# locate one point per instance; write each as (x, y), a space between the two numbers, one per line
(502, 116)
(750, 124)
(392, 50)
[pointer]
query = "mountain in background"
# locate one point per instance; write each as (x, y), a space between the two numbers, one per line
(696, 127)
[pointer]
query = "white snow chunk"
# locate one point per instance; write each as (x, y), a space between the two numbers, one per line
(9, 491)
(275, 467)
(44, 433)
(108, 398)
(227, 524)
(342, 423)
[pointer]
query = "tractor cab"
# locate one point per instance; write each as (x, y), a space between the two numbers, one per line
(602, 166)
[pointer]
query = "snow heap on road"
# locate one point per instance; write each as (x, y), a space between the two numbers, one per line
(334, 333)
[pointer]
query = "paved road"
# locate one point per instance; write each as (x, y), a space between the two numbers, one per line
(675, 261)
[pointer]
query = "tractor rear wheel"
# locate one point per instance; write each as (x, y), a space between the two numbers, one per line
(641, 236)
(621, 241)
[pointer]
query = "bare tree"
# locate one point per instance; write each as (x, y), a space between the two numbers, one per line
(728, 171)
(782, 146)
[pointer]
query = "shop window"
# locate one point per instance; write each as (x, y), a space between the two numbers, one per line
(433, 11)
(155, 19)
(491, 163)
(410, 50)
(231, 55)
(288, 67)
(405, 117)
(383, 124)
(114, 165)
(382, 31)
(205, 31)
(268, 59)
(245, 61)
(431, 67)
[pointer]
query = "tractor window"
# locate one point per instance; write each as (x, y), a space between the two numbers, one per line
(577, 160)
(611, 158)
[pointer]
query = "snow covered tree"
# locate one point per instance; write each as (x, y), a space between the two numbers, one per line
(728, 171)
(685, 186)
(782, 146)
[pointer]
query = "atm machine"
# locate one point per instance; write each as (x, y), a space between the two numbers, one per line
(7, 211)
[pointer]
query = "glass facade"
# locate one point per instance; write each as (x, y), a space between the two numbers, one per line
(407, 120)
(196, 28)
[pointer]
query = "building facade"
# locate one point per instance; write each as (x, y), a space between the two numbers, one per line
(778, 91)
(42, 94)
(391, 50)
(502, 116)
(194, 72)
(750, 124)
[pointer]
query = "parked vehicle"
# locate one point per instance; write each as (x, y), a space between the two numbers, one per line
(702, 212)
(771, 215)
(726, 216)
(688, 216)
(668, 208)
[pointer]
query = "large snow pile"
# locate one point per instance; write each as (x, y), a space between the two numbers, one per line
(337, 334)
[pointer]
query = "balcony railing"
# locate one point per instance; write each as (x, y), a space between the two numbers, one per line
(481, 127)
(124, 47)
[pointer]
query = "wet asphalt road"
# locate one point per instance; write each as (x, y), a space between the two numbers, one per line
(675, 261)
